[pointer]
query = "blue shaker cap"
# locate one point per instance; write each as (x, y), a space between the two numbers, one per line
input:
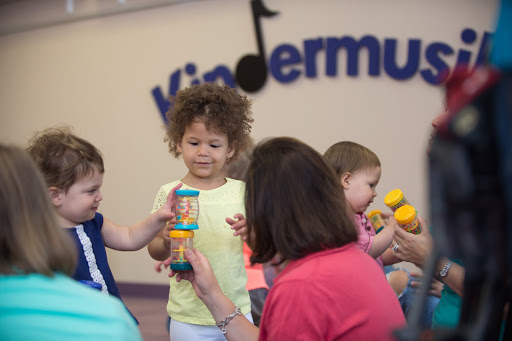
(187, 192)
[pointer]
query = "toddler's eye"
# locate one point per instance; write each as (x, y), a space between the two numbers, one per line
(193, 143)
(214, 146)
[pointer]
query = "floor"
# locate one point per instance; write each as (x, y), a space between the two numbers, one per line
(148, 305)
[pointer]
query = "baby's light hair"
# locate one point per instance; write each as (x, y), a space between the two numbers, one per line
(63, 157)
(349, 157)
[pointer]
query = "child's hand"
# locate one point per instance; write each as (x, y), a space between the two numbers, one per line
(168, 228)
(239, 226)
(159, 265)
(169, 207)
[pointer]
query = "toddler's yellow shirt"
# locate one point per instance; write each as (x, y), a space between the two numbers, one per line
(215, 240)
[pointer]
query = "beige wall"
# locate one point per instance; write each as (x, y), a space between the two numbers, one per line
(96, 75)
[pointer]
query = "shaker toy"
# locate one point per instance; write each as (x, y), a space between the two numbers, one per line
(377, 220)
(407, 218)
(187, 213)
(187, 209)
(180, 241)
(395, 199)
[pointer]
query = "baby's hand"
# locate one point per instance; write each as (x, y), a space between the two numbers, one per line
(240, 226)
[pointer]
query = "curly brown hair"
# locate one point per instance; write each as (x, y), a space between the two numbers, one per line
(219, 107)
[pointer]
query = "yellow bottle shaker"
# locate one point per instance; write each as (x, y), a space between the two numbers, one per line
(407, 218)
(395, 199)
(377, 220)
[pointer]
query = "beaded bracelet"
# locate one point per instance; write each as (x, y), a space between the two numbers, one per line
(222, 324)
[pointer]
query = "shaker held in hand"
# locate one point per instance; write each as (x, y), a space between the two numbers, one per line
(395, 199)
(187, 213)
(377, 220)
(407, 218)
(187, 209)
(180, 241)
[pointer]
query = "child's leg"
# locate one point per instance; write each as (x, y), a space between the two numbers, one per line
(179, 331)
(400, 281)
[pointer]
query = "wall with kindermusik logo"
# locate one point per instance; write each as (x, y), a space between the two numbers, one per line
(336, 70)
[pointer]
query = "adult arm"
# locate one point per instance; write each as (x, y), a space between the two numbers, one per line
(417, 248)
(207, 289)
(455, 277)
(135, 237)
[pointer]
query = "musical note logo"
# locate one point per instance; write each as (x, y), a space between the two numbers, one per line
(251, 71)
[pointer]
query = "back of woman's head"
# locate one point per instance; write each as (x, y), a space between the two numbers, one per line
(30, 238)
(294, 202)
(63, 157)
(347, 156)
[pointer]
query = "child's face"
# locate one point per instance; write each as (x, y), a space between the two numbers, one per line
(81, 201)
(360, 188)
(205, 152)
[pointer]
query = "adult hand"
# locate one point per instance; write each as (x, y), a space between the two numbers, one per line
(239, 225)
(411, 247)
(207, 289)
(202, 278)
(435, 286)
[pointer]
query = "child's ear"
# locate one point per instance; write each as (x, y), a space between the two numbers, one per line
(231, 152)
(55, 196)
(178, 147)
(345, 180)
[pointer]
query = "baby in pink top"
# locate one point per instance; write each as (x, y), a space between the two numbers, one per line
(359, 171)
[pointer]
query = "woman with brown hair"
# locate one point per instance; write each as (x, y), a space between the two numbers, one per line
(296, 210)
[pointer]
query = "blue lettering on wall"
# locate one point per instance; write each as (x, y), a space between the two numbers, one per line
(352, 52)
(287, 62)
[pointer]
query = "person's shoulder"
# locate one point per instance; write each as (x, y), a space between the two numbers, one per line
(235, 182)
(168, 186)
(235, 186)
(97, 221)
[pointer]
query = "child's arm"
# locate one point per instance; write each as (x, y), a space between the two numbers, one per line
(388, 257)
(131, 238)
(383, 239)
(160, 247)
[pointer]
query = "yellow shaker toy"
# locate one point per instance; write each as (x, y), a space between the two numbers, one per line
(395, 199)
(377, 220)
(180, 241)
(407, 218)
